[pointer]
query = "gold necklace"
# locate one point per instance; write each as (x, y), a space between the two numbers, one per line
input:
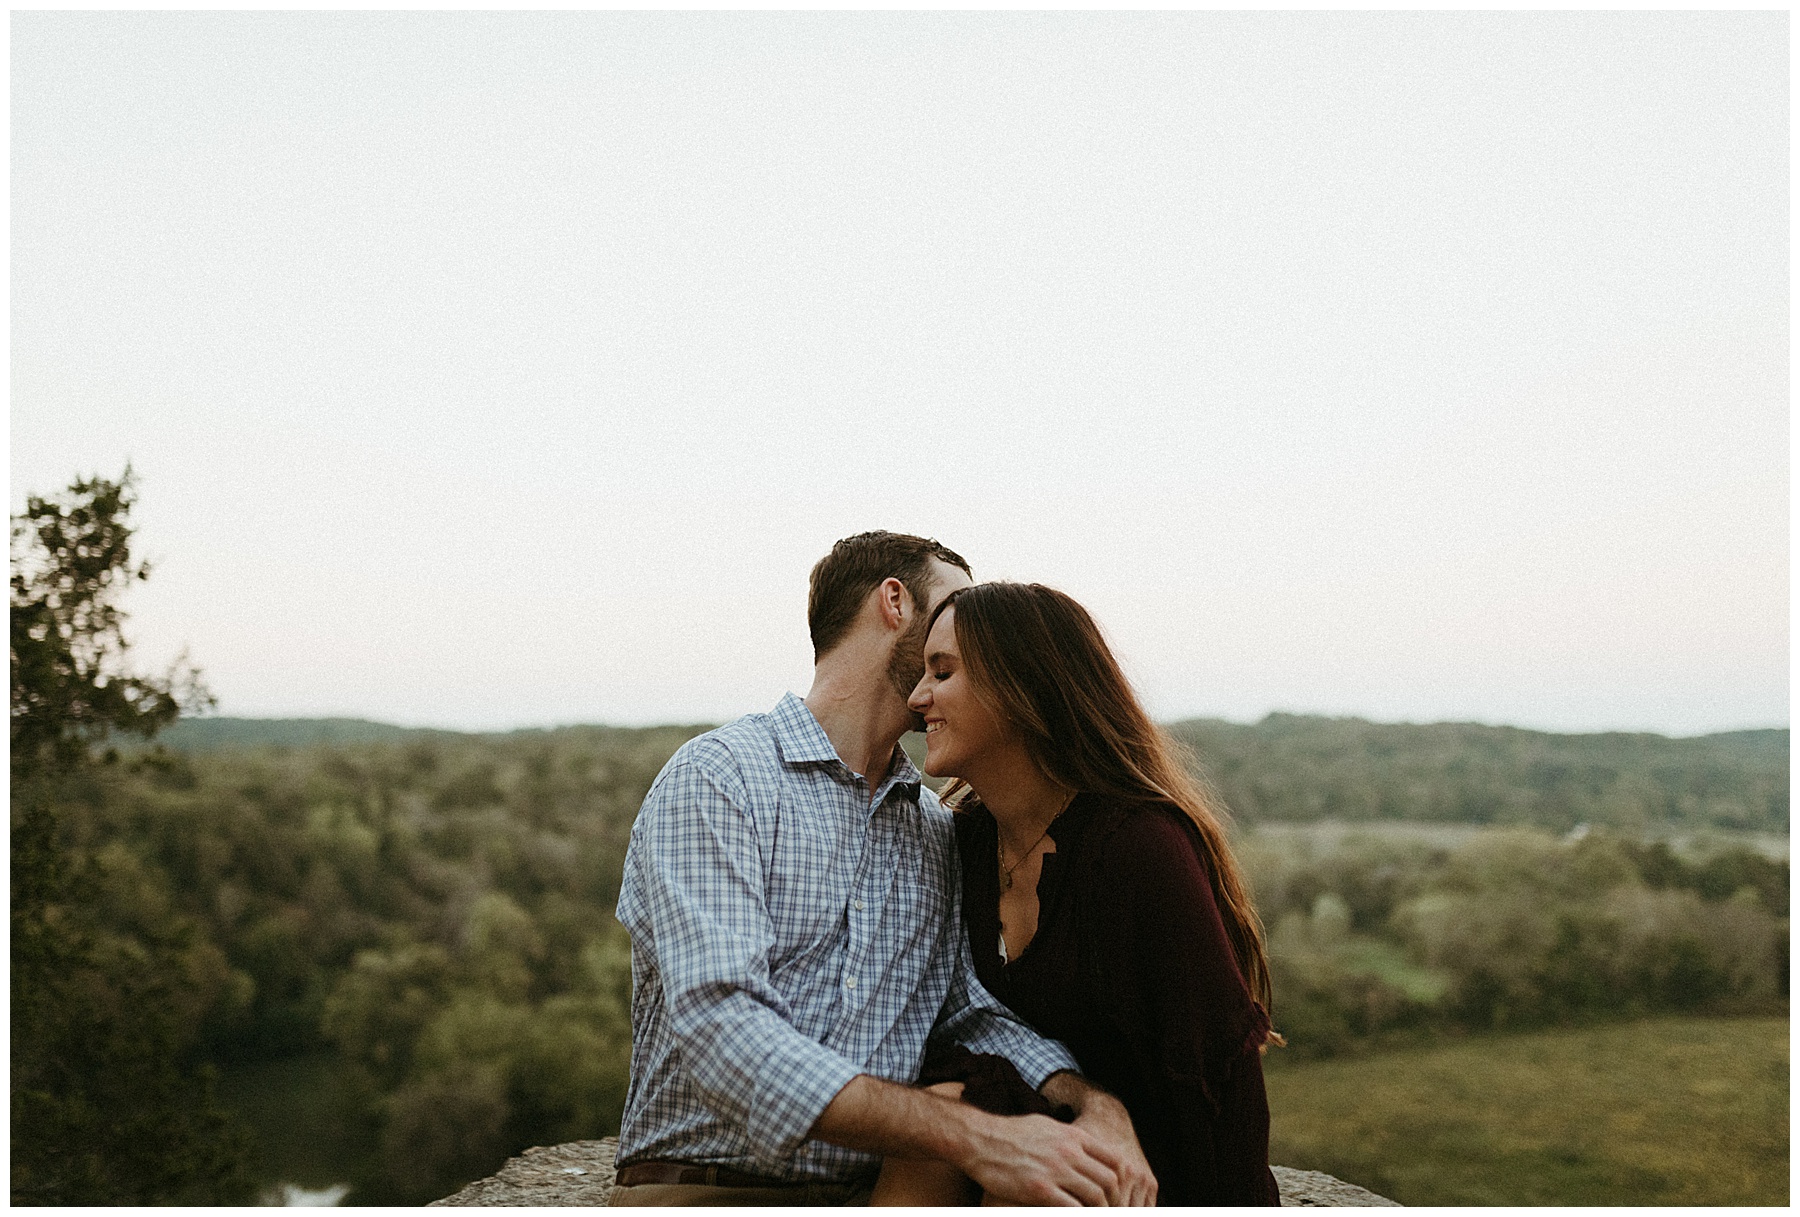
(1006, 872)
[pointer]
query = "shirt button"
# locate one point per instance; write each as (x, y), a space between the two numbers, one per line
(857, 905)
(851, 983)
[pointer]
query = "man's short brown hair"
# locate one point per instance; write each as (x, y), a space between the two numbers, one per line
(843, 578)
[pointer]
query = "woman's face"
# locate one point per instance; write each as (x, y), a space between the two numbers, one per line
(960, 730)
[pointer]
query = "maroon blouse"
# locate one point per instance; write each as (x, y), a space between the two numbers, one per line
(1131, 968)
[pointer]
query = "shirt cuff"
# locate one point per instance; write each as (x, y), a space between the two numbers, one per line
(788, 1098)
(1038, 1061)
(1035, 1057)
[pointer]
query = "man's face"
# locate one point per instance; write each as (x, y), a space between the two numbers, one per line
(906, 665)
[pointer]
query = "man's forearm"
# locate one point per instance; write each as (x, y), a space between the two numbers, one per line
(898, 1121)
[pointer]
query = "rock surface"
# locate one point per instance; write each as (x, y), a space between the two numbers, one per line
(581, 1172)
(1315, 1189)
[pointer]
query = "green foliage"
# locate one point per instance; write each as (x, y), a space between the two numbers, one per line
(434, 911)
(1513, 928)
(108, 1105)
(471, 1068)
(106, 1108)
(1297, 768)
(71, 558)
(1666, 1111)
(490, 1074)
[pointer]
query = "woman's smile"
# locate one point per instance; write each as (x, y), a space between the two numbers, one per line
(960, 729)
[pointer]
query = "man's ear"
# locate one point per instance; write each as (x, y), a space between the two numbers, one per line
(893, 601)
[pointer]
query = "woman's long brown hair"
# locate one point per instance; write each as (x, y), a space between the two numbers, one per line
(1038, 660)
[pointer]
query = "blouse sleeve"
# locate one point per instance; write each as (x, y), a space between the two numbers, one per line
(1186, 1008)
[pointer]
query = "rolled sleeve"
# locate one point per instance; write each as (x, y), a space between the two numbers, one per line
(792, 1090)
(700, 900)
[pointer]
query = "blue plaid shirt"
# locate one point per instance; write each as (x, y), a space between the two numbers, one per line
(791, 929)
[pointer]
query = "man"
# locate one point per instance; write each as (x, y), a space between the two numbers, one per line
(792, 896)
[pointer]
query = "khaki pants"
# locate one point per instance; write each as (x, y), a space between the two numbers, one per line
(683, 1194)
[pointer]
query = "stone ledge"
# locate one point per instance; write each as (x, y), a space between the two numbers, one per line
(1317, 1190)
(581, 1173)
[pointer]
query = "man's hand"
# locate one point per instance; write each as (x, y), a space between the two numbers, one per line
(1106, 1120)
(1019, 1159)
(1039, 1161)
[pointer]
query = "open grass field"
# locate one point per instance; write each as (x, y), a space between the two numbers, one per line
(1668, 1111)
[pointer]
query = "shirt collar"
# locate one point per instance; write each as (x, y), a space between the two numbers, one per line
(803, 741)
(903, 772)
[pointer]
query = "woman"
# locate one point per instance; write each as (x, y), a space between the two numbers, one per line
(1102, 903)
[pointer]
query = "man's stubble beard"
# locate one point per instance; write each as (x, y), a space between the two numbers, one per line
(906, 666)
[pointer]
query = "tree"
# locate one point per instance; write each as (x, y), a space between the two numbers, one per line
(107, 1106)
(71, 559)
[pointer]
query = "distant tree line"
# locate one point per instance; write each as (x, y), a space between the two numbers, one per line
(1296, 768)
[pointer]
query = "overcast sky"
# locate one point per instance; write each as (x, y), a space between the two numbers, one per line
(490, 370)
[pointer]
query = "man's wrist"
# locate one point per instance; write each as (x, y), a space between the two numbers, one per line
(1068, 1088)
(888, 1118)
(964, 1134)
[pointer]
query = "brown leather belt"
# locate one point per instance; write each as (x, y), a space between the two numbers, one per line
(641, 1173)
